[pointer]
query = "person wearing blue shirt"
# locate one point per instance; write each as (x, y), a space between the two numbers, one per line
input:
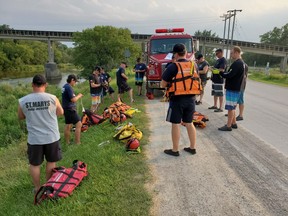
(70, 112)
(122, 82)
(139, 69)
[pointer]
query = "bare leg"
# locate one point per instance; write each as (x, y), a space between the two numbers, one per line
(241, 110)
(191, 134)
(201, 96)
(67, 129)
(78, 132)
(231, 118)
(215, 101)
(119, 97)
(49, 167)
(131, 95)
(220, 102)
(175, 131)
(35, 174)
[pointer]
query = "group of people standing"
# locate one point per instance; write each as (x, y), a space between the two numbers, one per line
(182, 106)
(41, 111)
(222, 77)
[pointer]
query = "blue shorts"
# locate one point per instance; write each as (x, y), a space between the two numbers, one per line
(181, 110)
(232, 98)
(241, 98)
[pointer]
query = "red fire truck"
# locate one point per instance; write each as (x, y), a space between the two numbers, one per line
(159, 52)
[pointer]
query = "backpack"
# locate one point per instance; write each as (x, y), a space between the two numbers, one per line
(93, 118)
(62, 182)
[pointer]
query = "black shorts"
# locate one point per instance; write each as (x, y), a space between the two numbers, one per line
(71, 116)
(181, 110)
(138, 83)
(123, 88)
(51, 151)
(110, 90)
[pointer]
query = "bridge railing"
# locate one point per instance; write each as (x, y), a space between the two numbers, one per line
(67, 36)
(37, 34)
(262, 46)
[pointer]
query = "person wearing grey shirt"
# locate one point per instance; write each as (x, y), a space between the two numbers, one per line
(40, 110)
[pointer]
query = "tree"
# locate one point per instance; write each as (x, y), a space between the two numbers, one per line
(104, 46)
(277, 36)
(207, 52)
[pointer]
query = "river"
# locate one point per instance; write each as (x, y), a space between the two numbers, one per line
(18, 81)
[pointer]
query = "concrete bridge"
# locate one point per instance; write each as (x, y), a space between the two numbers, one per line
(49, 36)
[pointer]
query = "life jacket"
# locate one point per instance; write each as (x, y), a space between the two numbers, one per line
(186, 82)
(62, 182)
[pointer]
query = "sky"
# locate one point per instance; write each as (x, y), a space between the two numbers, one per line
(144, 16)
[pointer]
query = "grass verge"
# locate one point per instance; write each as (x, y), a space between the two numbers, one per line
(116, 182)
(275, 78)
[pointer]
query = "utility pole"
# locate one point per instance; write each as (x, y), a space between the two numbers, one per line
(228, 15)
(234, 15)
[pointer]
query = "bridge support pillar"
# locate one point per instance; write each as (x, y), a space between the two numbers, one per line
(51, 70)
(283, 64)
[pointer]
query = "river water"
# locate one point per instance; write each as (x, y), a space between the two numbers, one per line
(59, 82)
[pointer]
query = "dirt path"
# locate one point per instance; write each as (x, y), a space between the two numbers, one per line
(233, 173)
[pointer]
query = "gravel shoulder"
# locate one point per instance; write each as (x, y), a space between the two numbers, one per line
(233, 173)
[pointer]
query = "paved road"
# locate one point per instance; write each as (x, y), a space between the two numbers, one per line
(266, 113)
(233, 173)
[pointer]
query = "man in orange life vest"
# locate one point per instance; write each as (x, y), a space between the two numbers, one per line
(177, 78)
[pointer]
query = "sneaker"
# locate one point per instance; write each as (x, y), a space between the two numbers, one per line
(213, 107)
(218, 110)
(225, 128)
(192, 151)
(198, 102)
(239, 118)
(170, 152)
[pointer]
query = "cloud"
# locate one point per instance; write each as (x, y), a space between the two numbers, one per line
(144, 16)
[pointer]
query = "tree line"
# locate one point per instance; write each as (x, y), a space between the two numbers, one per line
(19, 55)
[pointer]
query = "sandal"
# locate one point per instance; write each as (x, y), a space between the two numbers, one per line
(213, 107)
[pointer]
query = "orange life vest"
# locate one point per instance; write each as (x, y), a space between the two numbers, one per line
(186, 82)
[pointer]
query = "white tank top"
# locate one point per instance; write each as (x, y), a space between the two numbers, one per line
(41, 118)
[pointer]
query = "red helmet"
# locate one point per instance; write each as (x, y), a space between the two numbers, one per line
(132, 144)
(84, 128)
(123, 117)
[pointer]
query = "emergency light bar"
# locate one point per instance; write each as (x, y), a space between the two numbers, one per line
(169, 30)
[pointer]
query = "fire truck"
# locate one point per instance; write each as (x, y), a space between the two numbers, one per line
(159, 52)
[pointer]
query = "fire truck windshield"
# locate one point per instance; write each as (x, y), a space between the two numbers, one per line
(165, 45)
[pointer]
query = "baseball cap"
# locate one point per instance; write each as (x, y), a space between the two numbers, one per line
(39, 80)
(199, 56)
(179, 48)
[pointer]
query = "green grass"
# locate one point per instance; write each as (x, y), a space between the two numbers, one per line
(275, 77)
(116, 182)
